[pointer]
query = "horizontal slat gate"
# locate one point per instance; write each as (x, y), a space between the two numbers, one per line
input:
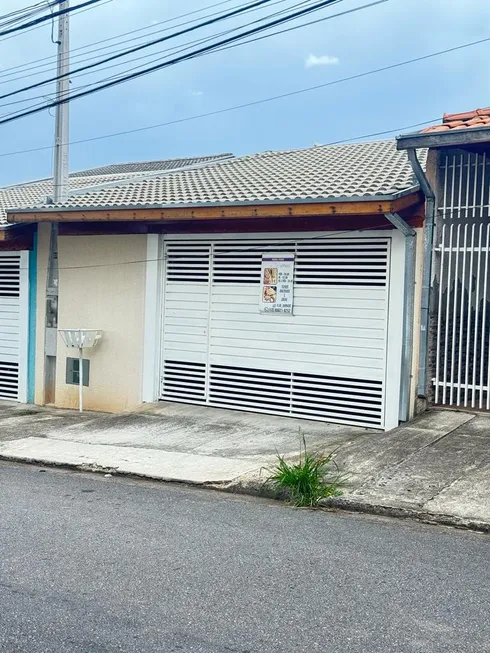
(327, 361)
(10, 324)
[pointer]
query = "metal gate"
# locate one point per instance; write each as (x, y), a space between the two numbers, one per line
(327, 361)
(461, 321)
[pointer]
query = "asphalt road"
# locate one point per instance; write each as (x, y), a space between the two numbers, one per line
(94, 565)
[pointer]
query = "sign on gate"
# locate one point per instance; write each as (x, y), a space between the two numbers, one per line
(277, 283)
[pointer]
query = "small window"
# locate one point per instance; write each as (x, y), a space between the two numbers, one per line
(73, 371)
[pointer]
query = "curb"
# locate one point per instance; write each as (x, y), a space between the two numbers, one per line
(425, 516)
(261, 490)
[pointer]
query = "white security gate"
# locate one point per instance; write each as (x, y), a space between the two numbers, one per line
(461, 321)
(13, 325)
(327, 361)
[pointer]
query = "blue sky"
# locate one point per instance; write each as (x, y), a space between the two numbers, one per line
(374, 37)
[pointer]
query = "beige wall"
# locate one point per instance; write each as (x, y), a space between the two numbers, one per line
(103, 290)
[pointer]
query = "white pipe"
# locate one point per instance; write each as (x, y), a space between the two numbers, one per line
(80, 379)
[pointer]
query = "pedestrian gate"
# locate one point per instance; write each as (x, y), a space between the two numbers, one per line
(460, 324)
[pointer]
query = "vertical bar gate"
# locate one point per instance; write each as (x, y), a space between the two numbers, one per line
(460, 324)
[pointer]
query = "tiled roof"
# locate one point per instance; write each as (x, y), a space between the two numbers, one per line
(360, 170)
(149, 166)
(468, 120)
(35, 193)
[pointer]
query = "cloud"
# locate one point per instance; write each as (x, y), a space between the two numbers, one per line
(323, 60)
(196, 93)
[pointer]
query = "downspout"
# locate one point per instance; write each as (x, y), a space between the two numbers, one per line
(430, 211)
(408, 308)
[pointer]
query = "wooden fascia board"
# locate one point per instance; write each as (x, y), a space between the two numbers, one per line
(221, 212)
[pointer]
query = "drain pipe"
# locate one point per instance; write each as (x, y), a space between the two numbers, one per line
(408, 308)
(430, 211)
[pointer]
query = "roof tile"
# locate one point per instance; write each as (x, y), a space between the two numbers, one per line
(340, 172)
(36, 192)
(469, 119)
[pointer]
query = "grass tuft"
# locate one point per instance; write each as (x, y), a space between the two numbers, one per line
(314, 477)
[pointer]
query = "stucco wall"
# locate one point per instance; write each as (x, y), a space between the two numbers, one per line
(103, 290)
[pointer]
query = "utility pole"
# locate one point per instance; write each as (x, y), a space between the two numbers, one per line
(61, 135)
(60, 191)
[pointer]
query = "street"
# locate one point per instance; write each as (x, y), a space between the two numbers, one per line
(92, 564)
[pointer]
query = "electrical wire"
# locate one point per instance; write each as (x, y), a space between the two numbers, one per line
(51, 15)
(6, 72)
(13, 79)
(192, 55)
(74, 11)
(323, 236)
(129, 51)
(174, 61)
(189, 44)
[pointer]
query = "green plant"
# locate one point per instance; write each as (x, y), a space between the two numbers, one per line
(314, 477)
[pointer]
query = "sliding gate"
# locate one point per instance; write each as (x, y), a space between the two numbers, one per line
(461, 322)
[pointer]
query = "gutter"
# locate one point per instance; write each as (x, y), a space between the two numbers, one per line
(430, 211)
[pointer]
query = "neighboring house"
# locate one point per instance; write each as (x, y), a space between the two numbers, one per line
(19, 270)
(179, 269)
(458, 331)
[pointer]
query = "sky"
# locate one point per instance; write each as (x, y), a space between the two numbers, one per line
(357, 42)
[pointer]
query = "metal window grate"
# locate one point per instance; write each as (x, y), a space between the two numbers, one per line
(184, 381)
(329, 262)
(188, 262)
(9, 380)
(308, 396)
(10, 275)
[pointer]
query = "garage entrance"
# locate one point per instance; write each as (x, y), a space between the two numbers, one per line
(13, 325)
(330, 351)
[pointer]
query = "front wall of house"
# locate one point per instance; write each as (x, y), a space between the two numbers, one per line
(100, 288)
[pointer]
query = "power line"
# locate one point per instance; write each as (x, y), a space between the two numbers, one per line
(323, 236)
(129, 51)
(43, 19)
(226, 41)
(191, 55)
(188, 44)
(205, 115)
(74, 11)
(114, 38)
(123, 50)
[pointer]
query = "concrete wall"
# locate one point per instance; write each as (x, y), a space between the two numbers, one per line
(100, 288)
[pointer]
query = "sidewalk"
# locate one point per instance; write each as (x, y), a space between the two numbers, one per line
(436, 468)
(171, 442)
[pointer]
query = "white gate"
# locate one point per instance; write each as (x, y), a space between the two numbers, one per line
(461, 322)
(327, 361)
(13, 325)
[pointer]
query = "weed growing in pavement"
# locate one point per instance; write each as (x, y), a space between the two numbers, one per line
(314, 477)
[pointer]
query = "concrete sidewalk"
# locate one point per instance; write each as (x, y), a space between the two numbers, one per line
(436, 468)
(171, 442)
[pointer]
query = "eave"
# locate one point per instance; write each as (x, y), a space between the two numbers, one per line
(450, 138)
(230, 211)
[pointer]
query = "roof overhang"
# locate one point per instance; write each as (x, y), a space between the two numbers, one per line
(238, 210)
(449, 138)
